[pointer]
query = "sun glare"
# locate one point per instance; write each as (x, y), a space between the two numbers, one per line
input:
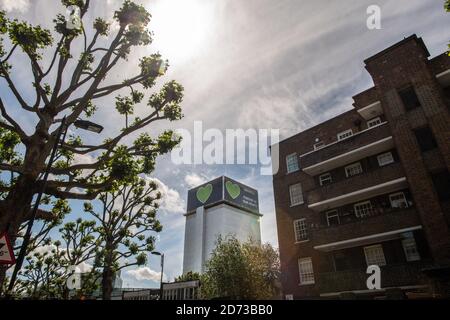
(181, 27)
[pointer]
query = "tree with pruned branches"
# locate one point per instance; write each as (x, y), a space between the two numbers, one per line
(68, 84)
(126, 220)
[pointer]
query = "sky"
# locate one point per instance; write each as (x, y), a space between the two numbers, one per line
(285, 64)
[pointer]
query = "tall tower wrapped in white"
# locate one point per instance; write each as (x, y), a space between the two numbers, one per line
(220, 207)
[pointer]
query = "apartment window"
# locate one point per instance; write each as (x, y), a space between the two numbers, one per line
(410, 249)
(305, 268)
(333, 218)
(296, 194)
(325, 179)
(363, 209)
(441, 182)
(301, 232)
(425, 139)
(292, 163)
(398, 200)
(319, 145)
(373, 122)
(344, 134)
(409, 98)
(385, 159)
(353, 169)
(375, 255)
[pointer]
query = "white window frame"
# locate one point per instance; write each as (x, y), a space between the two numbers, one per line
(344, 134)
(335, 214)
(351, 166)
(379, 260)
(359, 204)
(322, 180)
(374, 122)
(300, 230)
(306, 271)
(390, 159)
(407, 243)
(319, 145)
(397, 194)
(289, 158)
(293, 196)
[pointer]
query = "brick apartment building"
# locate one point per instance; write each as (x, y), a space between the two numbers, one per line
(372, 186)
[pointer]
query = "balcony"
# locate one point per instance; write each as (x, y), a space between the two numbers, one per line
(383, 225)
(363, 186)
(362, 144)
(392, 276)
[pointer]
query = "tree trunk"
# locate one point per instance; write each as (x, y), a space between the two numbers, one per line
(108, 273)
(15, 208)
(107, 283)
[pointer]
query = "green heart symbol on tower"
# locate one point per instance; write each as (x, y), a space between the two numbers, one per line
(203, 193)
(233, 189)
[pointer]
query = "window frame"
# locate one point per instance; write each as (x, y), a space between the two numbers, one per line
(336, 214)
(376, 119)
(301, 229)
(378, 246)
(416, 256)
(321, 143)
(384, 154)
(396, 194)
(321, 181)
(307, 273)
(353, 165)
(360, 204)
(340, 134)
(291, 187)
(292, 156)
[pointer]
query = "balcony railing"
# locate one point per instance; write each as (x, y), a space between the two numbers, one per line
(359, 182)
(351, 227)
(396, 275)
(337, 148)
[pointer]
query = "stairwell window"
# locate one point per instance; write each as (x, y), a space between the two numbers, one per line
(353, 169)
(373, 122)
(375, 255)
(344, 134)
(325, 179)
(363, 209)
(296, 194)
(292, 163)
(425, 139)
(385, 159)
(306, 271)
(398, 200)
(300, 229)
(409, 98)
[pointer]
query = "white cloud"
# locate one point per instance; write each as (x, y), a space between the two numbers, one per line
(193, 180)
(145, 273)
(44, 249)
(171, 200)
(15, 5)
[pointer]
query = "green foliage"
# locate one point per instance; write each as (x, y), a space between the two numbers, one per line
(241, 271)
(188, 276)
(8, 144)
(132, 14)
(101, 26)
(28, 37)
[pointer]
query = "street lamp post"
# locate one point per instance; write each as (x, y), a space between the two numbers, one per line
(86, 125)
(162, 273)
